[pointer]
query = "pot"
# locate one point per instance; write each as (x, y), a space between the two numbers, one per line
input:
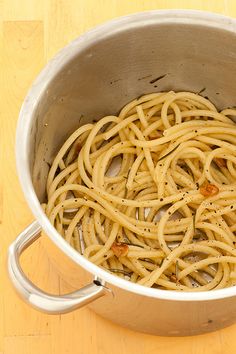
(96, 75)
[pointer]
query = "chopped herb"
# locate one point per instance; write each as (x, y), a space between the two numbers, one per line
(170, 152)
(177, 270)
(203, 89)
(157, 79)
(194, 223)
(144, 77)
(121, 271)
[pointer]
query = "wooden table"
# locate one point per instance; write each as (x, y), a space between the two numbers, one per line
(31, 32)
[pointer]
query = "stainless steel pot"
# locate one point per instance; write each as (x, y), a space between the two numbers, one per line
(94, 76)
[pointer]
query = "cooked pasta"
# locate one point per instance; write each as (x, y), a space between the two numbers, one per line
(150, 194)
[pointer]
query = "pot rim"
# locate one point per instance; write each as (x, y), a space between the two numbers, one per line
(54, 66)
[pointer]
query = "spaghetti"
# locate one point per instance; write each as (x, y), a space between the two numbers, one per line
(150, 195)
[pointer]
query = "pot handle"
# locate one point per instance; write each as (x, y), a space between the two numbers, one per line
(51, 304)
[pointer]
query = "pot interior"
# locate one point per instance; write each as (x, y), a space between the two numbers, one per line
(110, 68)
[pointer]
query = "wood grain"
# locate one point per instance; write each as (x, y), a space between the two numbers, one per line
(31, 32)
